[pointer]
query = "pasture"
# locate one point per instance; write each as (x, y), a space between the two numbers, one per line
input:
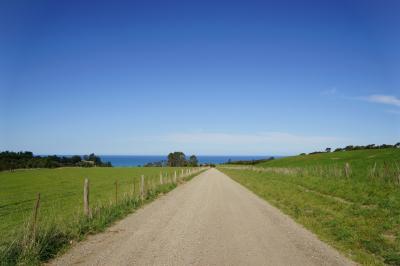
(61, 199)
(358, 213)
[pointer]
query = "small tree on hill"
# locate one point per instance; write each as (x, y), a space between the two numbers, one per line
(176, 159)
(193, 161)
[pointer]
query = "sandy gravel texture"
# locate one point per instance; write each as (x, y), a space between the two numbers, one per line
(211, 220)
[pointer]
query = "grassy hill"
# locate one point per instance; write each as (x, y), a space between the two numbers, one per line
(358, 157)
(358, 213)
(378, 164)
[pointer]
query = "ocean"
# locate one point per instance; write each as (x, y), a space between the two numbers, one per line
(140, 160)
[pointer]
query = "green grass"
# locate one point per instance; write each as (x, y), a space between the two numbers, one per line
(356, 158)
(359, 214)
(61, 218)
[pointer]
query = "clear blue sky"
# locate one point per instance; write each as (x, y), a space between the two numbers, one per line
(204, 77)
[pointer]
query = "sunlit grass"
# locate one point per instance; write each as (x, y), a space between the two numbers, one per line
(358, 214)
(61, 217)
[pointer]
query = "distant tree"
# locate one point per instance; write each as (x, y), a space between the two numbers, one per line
(315, 152)
(51, 162)
(370, 146)
(75, 159)
(250, 162)
(155, 164)
(95, 159)
(385, 146)
(28, 154)
(328, 150)
(176, 159)
(193, 161)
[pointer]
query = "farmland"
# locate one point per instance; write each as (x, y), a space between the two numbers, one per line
(113, 190)
(355, 210)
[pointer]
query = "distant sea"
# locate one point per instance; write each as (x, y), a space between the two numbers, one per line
(140, 160)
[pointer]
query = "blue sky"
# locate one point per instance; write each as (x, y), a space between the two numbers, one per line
(204, 77)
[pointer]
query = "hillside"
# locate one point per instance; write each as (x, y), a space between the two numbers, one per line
(359, 157)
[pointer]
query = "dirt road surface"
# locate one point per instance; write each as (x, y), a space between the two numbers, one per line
(211, 220)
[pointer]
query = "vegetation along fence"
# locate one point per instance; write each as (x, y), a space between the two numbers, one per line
(388, 172)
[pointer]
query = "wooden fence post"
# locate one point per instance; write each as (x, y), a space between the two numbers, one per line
(142, 187)
(347, 169)
(373, 170)
(175, 177)
(86, 207)
(35, 216)
(116, 191)
(133, 187)
(161, 181)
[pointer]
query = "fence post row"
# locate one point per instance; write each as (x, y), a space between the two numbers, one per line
(86, 192)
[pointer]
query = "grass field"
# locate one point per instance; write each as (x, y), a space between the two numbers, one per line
(355, 158)
(61, 204)
(358, 214)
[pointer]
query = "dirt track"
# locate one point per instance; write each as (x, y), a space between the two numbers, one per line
(210, 220)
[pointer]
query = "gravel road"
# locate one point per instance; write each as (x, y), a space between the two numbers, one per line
(211, 220)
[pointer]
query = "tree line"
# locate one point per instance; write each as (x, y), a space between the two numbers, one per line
(359, 147)
(250, 162)
(16, 160)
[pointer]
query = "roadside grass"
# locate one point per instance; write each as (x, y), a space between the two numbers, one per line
(61, 220)
(359, 214)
